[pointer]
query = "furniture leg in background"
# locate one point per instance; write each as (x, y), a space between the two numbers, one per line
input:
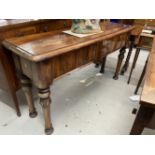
(27, 88)
(97, 65)
(134, 63)
(141, 77)
(103, 65)
(143, 117)
(126, 65)
(119, 63)
(8, 78)
(15, 101)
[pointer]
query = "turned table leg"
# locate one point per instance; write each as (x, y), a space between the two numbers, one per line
(142, 119)
(103, 65)
(45, 101)
(126, 65)
(119, 63)
(27, 88)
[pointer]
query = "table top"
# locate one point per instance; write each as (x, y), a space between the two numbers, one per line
(41, 46)
(148, 93)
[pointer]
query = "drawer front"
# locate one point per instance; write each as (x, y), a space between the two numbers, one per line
(142, 22)
(26, 67)
(26, 31)
(55, 25)
(108, 46)
(72, 60)
(146, 42)
(19, 32)
(151, 22)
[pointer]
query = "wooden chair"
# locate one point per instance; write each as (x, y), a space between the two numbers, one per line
(145, 42)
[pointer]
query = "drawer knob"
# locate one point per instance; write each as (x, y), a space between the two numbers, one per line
(65, 24)
(19, 34)
(45, 28)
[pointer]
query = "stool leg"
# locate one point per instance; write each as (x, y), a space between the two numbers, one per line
(141, 78)
(103, 65)
(134, 63)
(142, 119)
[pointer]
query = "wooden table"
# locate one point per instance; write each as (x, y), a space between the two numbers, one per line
(17, 28)
(42, 57)
(147, 101)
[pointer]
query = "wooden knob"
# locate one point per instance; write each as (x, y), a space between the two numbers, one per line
(45, 28)
(65, 24)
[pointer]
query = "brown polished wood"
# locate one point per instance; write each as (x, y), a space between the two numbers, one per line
(147, 101)
(17, 28)
(45, 56)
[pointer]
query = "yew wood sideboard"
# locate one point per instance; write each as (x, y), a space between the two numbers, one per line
(17, 28)
(40, 58)
(146, 112)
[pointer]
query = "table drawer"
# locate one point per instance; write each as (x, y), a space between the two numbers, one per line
(142, 22)
(113, 44)
(19, 32)
(55, 25)
(150, 22)
(146, 42)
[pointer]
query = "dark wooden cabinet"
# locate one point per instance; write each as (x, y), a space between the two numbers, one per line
(16, 28)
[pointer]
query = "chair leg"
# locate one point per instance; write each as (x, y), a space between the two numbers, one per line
(141, 78)
(134, 63)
